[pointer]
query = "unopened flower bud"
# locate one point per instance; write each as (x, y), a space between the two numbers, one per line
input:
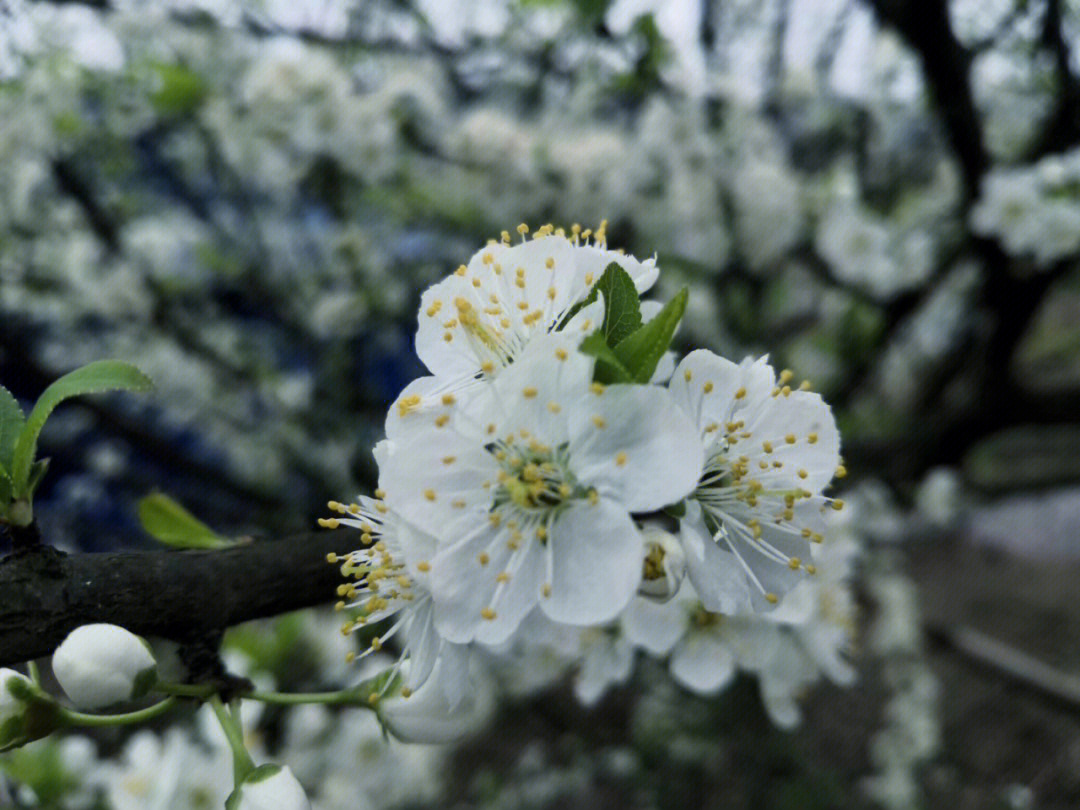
(101, 664)
(664, 566)
(271, 787)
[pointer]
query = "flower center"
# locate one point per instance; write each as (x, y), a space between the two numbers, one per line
(534, 479)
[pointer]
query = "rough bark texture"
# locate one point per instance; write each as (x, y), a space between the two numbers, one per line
(178, 595)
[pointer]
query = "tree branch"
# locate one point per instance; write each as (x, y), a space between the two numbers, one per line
(177, 595)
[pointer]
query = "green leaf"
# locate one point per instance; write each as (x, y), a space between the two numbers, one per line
(640, 352)
(167, 521)
(37, 472)
(11, 422)
(622, 306)
(102, 375)
(180, 90)
(5, 494)
(608, 369)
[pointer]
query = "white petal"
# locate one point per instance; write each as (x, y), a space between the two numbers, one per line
(655, 627)
(417, 407)
(703, 663)
(802, 433)
(465, 585)
(702, 369)
(595, 552)
(715, 573)
(608, 660)
(632, 443)
(436, 479)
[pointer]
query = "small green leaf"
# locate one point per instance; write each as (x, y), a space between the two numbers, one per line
(180, 89)
(608, 369)
(167, 521)
(11, 422)
(102, 375)
(641, 352)
(622, 305)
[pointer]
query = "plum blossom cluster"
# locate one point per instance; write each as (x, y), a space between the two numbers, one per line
(558, 468)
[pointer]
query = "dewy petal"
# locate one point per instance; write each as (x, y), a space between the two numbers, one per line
(702, 662)
(595, 555)
(630, 441)
(470, 600)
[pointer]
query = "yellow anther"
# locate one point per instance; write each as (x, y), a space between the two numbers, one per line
(350, 656)
(620, 459)
(329, 523)
(805, 385)
(423, 566)
(812, 438)
(688, 375)
(442, 419)
(373, 698)
(503, 577)
(407, 404)
(449, 459)
(487, 613)
(810, 569)
(528, 392)
(487, 258)
(794, 563)
(767, 447)
(549, 264)
(599, 421)
(837, 505)
(448, 399)
(487, 367)
(740, 394)
(552, 292)
(790, 438)
(541, 533)
(429, 494)
(597, 388)
(841, 471)
(433, 310)
(802, 473)
(505, 236)
(546, 589)
(483, 558)
(448, 336)
(331, 557)
(707, 388)
(461, 270)
(786, 376)
(772, 598)
(406, 692)
(554, 407)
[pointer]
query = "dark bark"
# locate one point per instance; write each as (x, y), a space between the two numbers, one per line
(925, 26)
(179, 595)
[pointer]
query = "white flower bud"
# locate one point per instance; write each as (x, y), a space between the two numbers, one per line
(665, 564)
(101, 664)
(10, 705)
(272, 787)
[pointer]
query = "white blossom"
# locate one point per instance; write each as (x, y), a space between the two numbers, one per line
(769, 452)
(529, 488)
(272, 788)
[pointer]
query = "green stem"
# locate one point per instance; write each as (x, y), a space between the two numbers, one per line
(74, 718)
(344, 696)
(34, 672)
(242, 762)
